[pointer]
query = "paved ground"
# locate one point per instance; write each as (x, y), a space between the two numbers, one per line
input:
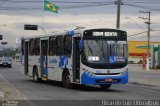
(140, 76)
(16, 86)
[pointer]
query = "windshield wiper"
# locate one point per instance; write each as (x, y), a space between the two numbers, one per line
(90, 49)
(102, 50)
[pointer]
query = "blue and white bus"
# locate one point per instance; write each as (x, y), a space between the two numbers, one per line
(82, 56)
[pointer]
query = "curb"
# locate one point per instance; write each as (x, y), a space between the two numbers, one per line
(1, 95)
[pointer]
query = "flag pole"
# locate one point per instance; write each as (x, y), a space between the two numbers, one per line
(43, 15)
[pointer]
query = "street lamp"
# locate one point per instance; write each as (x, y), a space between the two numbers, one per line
(134, 22)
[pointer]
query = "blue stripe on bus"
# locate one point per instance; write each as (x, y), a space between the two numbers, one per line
(70, 33)
(45, 71)
(63, 61)
(88, 79)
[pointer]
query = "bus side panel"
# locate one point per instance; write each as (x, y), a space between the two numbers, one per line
(37, 64)
(30, 65)
(53, 72)
(34, 61)
(55, 68)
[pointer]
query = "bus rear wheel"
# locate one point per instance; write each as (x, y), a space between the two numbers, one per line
(67, 80)
(105, 86)
(35, 75)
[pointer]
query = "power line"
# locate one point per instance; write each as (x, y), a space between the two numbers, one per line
(137, 34)
(31, 1)
(4, 2)
(142, 33)
(62, 8)
(143, 7)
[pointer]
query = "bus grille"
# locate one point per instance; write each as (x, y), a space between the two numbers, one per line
(107, 73)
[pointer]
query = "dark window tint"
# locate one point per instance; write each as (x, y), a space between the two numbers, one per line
(52, 46)
(68, 46)
(45, 47)
(31, 47)
(59, 45)
(22, 47)
(37, 46)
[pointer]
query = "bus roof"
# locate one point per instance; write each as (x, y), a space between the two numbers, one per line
(75, 31)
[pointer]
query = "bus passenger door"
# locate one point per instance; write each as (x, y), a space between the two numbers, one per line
(43, 59)
(26, 50)
(76, 59)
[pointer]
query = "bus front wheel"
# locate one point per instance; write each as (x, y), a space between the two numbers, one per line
(67, 80)
(105, 86)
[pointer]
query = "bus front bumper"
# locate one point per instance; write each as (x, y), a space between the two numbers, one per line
(108, 79)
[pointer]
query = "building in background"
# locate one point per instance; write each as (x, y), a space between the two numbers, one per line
(17, 57)
(138, 49)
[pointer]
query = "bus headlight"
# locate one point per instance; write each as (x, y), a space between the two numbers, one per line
(124, 71)
(89, 72)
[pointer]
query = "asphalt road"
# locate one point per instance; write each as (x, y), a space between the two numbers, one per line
(138, 75)
(25, 89)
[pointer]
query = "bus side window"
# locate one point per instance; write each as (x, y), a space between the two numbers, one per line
(59, 45)
(67, 46)
(22, 47)
(31, 47)
(45, 48)
(37, 46)
(52, 46)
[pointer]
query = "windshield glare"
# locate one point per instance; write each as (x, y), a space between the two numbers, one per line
(100, 50)
(118, 48)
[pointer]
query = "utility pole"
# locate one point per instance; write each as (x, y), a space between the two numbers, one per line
(148, 35)
(118, 2)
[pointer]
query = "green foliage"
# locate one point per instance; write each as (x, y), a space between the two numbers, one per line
(158, 67)
(7, 52)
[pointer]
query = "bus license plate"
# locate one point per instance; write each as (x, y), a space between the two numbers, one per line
(108, 80)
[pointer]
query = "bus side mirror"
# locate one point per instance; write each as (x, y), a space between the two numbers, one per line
(81, 44)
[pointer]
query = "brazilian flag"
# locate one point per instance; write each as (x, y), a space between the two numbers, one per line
(50, 7)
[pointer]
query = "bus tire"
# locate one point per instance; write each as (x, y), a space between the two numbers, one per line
(35, 75)
(105, 86)
(66, 80)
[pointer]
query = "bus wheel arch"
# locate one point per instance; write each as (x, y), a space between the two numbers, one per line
(35, 74)
(66, 79)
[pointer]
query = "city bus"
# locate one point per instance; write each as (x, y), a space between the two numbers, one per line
(82, 56)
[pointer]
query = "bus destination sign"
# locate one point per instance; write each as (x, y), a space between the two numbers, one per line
(104, 34)
(108, 34)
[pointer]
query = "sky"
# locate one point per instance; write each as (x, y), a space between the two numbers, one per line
(14, 14)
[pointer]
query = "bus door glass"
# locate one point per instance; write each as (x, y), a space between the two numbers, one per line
(44, 64)
(26, 50)
(76, 59)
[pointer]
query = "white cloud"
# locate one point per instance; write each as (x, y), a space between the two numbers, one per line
(15, 23)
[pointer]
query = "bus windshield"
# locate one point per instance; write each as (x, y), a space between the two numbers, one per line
(101, 51)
